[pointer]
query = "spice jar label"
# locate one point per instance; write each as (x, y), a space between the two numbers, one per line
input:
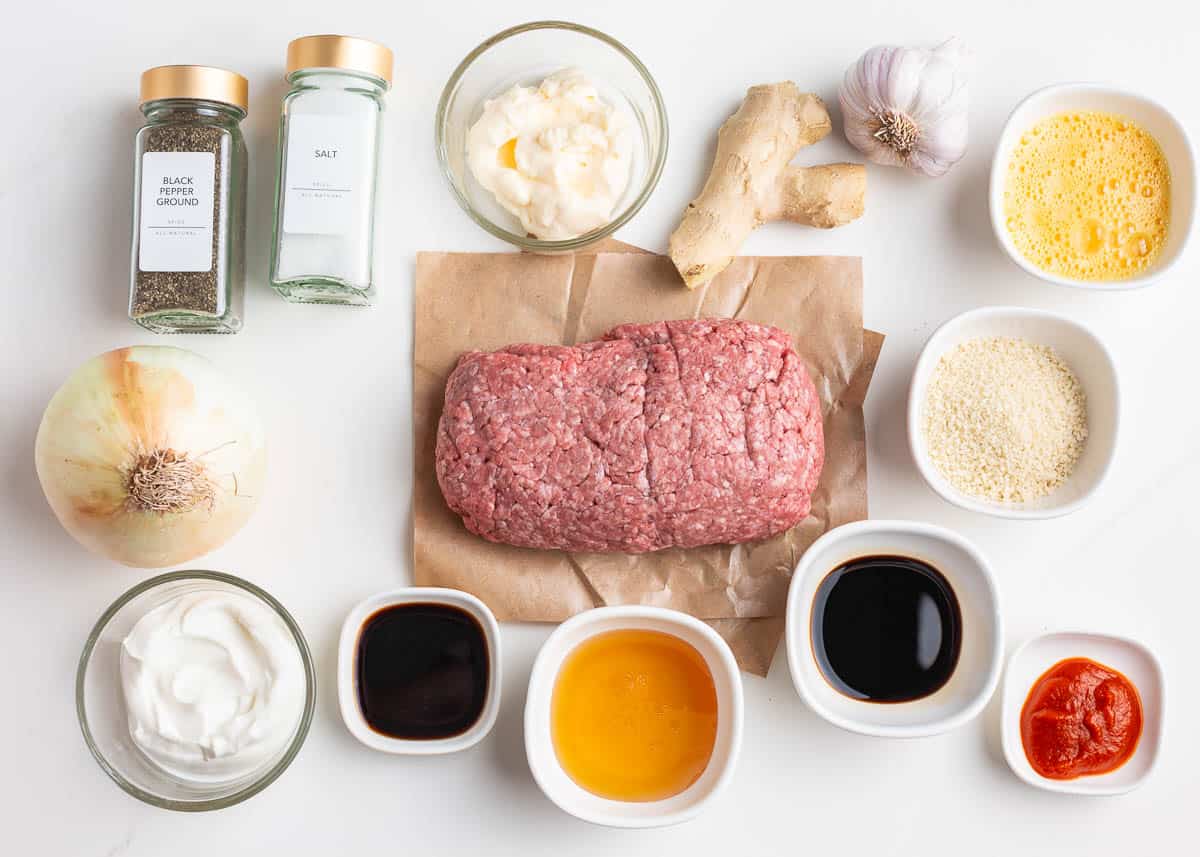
(176, 218)
(324, 160)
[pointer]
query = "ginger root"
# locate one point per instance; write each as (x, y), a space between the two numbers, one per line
(752, 183)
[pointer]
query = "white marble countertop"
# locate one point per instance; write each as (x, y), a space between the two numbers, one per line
(333, 388)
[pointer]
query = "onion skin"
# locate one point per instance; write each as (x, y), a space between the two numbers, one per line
(117, 408)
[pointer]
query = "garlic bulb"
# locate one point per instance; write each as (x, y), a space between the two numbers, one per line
(908, 106)
(149, 456)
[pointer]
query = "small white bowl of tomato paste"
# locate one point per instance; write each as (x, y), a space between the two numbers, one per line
(1083, 713)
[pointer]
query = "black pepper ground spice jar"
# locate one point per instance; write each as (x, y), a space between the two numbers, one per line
(189, 204)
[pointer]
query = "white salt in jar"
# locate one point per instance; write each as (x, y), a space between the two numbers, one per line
(328, 166)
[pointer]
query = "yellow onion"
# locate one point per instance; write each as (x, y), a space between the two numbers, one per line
(150, 456)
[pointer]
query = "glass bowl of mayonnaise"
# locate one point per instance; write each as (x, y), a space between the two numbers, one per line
(195, 690)
(552, 135)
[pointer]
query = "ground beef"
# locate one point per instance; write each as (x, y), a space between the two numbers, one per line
(679, 433)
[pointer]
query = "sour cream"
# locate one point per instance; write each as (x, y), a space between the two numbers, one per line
(558, 156)
(214, 685)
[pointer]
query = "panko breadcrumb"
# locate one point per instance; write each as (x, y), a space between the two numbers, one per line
(1004, 419)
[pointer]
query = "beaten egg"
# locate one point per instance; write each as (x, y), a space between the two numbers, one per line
(1087, 196)
(634, 715)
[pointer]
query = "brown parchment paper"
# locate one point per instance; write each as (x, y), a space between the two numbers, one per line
(486, 301)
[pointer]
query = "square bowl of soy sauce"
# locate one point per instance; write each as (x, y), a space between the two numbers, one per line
(893, 629)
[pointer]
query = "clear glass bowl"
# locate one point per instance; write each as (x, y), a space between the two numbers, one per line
(101, 708)
(525, 55)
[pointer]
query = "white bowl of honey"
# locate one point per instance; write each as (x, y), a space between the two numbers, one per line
(633, 716)
(1093, 186)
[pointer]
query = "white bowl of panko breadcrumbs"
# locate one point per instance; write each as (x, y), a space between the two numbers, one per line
(1014, 412)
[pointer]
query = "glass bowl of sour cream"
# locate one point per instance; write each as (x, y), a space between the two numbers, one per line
(195, 690)
(552, 135)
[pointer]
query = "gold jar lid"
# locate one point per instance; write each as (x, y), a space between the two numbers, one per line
(340, 52)
(195, 81)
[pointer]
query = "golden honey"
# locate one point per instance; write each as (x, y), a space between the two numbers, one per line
(633, 715)
(1087, 196)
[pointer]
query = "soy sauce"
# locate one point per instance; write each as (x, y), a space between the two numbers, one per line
(886, 629)
(423, 671)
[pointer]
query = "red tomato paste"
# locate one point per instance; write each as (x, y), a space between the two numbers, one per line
(1081, 718)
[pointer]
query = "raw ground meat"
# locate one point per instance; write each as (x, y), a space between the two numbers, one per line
(678, 433)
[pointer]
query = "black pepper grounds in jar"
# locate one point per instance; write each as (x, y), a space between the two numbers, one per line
(188, 256)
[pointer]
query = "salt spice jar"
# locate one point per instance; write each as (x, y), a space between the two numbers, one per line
(189, 218)
(325, 196)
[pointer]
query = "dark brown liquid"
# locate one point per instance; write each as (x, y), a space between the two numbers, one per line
(423, 671)
(886, 629)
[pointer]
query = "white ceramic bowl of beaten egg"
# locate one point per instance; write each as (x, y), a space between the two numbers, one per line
(980, 658)
(1083, 352)
(539, 745)
(1150, 115)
